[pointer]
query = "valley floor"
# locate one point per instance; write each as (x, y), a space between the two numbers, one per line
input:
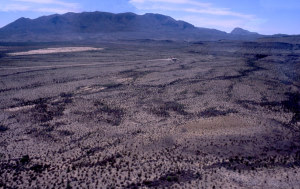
(151, 114)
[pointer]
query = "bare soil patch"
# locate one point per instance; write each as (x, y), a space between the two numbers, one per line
(55, 50)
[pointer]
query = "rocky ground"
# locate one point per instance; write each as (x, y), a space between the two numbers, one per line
(217, 115)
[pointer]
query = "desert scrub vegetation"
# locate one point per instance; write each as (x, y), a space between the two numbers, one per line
(163, 139)
(168, 180)
(3, 125)
(260, 56)
(165, 109)
(109, 114)
(242, 163)
(44, 111)
(134, 74)
(199, 93)
(25, 159)
(213, 112)
(112, 85)
(3, 128)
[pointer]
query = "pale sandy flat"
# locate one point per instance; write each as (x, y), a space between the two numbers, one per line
(90, 89)
(19, 108)
(55, 50)
(223, 125)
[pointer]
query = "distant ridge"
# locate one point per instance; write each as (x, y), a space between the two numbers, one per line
(240, 31)
(93, 26)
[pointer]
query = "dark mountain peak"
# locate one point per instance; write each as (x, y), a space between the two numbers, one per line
(158, 16)
(17, 25)
(109, 26)
(241, 31)
(160, 21)
(128, 14)
(23, 19)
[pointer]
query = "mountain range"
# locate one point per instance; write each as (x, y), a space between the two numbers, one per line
(96, 26)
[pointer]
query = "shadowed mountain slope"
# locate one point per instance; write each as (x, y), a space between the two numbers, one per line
(91, 26)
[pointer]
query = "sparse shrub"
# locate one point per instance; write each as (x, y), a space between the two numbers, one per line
(163, 110)
(184, 92)
(68, 185)
(172, 178)
(147, 183)
(3, 128)
(169, 178)
(176, 107)
(25, 159)
(112, 85)
(66, 95)
(199, 93)
(66, 133)
(39, 168)
(184, 130)
(68, 100)
(260, 56)
(160, 112)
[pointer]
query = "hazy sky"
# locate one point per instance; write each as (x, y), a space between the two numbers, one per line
(263, 16)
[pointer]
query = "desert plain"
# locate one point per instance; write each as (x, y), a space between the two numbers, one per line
(150, 114)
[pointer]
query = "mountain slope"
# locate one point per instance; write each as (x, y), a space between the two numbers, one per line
(107, 26)
(95, 22)
(240, 31)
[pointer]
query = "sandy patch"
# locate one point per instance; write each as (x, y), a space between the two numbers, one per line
(223, 125)
(20, 108)
(124, 80)
(90, 89)
(55, 50)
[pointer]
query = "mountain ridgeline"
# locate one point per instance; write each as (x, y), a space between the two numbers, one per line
(93, 26)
